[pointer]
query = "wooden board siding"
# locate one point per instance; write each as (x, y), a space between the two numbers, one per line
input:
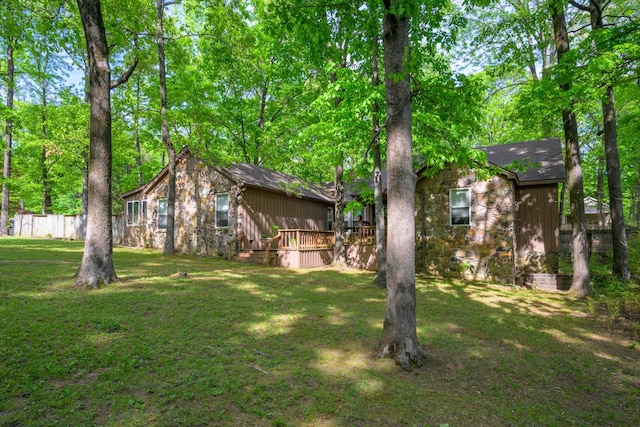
(362, 256)
(537, 219)
(305, 258)
(260, 209)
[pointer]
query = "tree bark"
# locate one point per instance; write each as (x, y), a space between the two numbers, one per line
(618, 229)
(8, 138)
(378, 196)
(97, 261)
(169, 244)
(580, 284)
(46, 184)
(137, 133)
(339, 251)
(638, 199)
(600, 193)
(610, 139)
(399, 337)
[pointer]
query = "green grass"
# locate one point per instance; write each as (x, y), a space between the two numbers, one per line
(247, 345)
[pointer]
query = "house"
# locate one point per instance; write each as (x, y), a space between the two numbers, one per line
(494, 227)
(592, 214)
(215, 204)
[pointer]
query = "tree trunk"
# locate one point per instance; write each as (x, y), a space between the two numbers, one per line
(169, 244)
(137, 133)
(618, 230)
(399, 337)
(46, 184)
(97, 261)
(600, 193)
(638, 199)
(339, 251)
(610, 138)
(85, 154)
(580, 284)
(378, 196)
(8, 138)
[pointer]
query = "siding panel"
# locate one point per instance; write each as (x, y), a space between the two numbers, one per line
(537, 219)
(260, 210)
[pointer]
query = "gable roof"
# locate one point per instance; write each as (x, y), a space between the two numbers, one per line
(253, 176)
(267, 179)
(544, 156)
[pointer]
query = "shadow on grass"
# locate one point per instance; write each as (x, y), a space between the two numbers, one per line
(231, 344)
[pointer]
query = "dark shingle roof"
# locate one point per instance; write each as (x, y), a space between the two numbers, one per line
(545, 155)
(259, 177)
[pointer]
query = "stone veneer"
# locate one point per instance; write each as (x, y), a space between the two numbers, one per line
(195, 232)
(481, 251)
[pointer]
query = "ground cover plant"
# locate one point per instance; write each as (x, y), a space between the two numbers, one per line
(230, 344)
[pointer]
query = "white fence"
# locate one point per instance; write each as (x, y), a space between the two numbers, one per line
(73, 227)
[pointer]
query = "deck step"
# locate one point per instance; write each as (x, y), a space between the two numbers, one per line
(547, 282)
(255, 257)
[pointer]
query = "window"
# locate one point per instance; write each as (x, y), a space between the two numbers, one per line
(222, 210)
(163, 206)
(136, 212)
(329, 218)
(460, 206)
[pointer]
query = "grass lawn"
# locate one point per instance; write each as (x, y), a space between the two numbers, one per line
(231, 344)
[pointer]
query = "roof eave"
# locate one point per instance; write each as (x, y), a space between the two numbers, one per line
(540, 182)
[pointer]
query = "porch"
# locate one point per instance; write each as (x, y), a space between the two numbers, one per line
(299, 248)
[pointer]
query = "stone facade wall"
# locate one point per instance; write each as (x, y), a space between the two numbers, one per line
(482, 250)
(195, 231)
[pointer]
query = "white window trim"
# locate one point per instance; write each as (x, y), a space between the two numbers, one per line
(158, 212)
(468, 190)
(140, 218)
(216, 210)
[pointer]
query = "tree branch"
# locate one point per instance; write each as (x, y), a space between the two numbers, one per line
(579, 6)
(125, 77)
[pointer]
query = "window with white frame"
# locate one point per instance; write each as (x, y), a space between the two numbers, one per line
(163, 206)
(222, 210)
(460, 206)
(136, 212)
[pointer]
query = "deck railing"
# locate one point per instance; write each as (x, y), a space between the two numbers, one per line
(309, 239)
(306, 239)
(365, 234)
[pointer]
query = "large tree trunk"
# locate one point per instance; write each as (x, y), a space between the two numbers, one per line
(580, 285)
(169, 244)
(399, 337)
(6, 169)
(97, 262)
(378, 196)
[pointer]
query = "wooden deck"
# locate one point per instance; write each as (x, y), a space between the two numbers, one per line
(298, 248)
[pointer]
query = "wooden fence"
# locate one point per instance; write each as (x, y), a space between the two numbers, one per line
(73, 227)
(600, 240)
